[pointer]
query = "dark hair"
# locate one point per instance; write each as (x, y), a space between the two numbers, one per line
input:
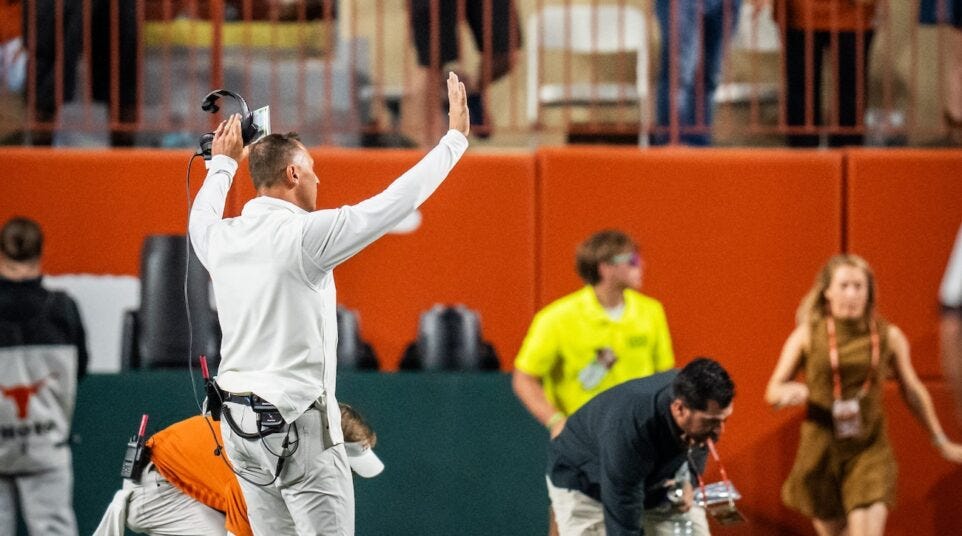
(701, 381)
(598, 248)
(270, 157)
(21, 240)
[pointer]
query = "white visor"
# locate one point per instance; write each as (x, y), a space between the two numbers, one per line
(363, 460)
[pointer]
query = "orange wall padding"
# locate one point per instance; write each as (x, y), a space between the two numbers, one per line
(96, 207)
(904, 210)
(474, 246)
(732, 240)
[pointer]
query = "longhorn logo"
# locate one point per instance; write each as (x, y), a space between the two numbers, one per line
(20, 394)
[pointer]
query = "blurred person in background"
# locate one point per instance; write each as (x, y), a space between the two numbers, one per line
(690, 68)
(599, 336)
(839, 32)
(947, 14)
(43, 352)
(845, 473)
(53, 52)
(495, 27)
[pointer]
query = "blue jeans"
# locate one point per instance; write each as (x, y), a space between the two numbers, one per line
(699, 26)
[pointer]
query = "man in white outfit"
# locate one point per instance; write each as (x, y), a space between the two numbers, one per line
(272, 271)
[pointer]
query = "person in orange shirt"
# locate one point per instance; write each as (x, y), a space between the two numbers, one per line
(189, 487)
(839, 32)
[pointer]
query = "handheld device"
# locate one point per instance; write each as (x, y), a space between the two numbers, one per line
(214, 401)
(137, 455)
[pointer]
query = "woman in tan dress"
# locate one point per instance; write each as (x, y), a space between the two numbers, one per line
(844, 472)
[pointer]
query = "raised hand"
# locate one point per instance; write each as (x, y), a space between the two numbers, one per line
(458, 118)
(228, 140)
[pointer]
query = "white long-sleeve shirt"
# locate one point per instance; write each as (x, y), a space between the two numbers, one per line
(272, 270)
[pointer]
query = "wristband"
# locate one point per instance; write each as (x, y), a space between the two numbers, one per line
(554, 419)
(939, 440)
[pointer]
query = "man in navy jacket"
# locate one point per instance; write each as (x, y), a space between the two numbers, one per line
(618, 455)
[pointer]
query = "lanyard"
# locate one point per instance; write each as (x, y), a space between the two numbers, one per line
(721, 469)
(833, 357)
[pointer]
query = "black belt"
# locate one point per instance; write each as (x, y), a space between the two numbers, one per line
(237, 399)
(255, 402)
(269, 419)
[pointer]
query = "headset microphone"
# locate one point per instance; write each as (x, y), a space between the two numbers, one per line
(250, 130)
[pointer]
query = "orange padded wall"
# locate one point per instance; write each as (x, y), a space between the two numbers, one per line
(731, 238)
(474, 246)
(96, 207)
(904, 210)
(731, 241)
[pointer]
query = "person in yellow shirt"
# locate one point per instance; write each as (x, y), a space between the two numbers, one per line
(594, 338)
(599, 336)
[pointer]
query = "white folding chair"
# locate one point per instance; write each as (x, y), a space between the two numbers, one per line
(588, 29)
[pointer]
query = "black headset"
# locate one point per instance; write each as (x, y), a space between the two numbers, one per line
(249, 131)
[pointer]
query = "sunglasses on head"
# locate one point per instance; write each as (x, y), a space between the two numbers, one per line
(632, 259)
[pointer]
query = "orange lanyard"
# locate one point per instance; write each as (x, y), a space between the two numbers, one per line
(721, 469)
(833, 357)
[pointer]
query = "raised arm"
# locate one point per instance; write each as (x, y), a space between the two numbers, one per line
(207, 209)
(782, 389)
(917, 396)
(333, 236)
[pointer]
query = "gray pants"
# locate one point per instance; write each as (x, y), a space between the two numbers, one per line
(157, 507)
(313, 494)
(45, 498)
(579, 515)
(154, 506)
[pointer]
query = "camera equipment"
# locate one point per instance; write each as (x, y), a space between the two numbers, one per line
(250, 130)
(137, 455)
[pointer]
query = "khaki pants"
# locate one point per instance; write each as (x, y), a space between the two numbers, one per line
(157, 507)
(313, 494)
(579, 515)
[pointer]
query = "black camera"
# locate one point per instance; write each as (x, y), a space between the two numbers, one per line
(250, 130)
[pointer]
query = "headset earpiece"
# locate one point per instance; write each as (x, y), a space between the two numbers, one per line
(249, 131)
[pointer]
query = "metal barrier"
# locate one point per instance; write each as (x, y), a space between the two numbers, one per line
(369, 72)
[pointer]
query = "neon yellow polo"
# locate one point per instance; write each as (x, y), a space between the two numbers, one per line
(567, 335)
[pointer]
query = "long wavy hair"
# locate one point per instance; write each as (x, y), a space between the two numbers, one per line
(814, 305)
